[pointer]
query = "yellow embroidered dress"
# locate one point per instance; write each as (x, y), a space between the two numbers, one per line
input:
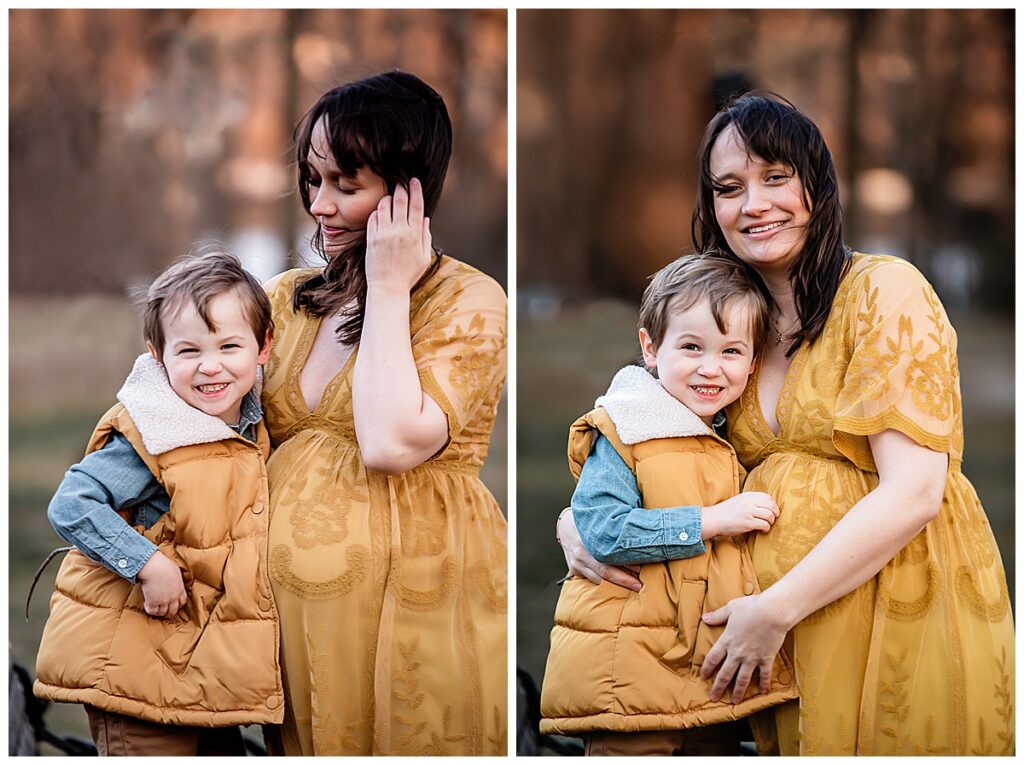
(919, 659)
(391, 589)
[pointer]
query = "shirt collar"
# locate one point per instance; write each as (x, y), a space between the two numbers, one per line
(250, 416)
(718, 424)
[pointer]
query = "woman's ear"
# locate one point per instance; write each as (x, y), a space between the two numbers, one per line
(648, 349)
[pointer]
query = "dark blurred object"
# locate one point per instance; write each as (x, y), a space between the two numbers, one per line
(529, 740)
(25, 720)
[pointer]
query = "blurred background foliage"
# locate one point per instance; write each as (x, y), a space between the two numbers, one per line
(136, 133)
(917, 108)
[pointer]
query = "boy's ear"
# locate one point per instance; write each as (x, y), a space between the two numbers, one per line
(648, 349)
(265, 350)
(152, 350)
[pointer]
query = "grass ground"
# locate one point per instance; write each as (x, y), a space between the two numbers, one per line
(67, 360)
(566, 363)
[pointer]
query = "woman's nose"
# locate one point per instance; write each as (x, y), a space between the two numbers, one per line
(321, 204)
(756, 201)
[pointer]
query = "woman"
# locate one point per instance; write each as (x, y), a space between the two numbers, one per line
(881, 574)
(387, 553)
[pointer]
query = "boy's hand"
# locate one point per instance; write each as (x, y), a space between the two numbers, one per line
(748, 511)
(162, 586)
(398, 241)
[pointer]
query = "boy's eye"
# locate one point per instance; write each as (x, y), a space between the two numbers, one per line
(690, 347)
(186, 351)
(230, 345)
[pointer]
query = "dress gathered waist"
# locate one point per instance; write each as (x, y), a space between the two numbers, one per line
(335, 433)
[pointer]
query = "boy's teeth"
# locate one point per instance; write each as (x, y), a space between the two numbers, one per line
(212, 388)
(707, 391)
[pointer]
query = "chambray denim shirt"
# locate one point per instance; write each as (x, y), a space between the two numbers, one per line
(612, 522)
(83, 512)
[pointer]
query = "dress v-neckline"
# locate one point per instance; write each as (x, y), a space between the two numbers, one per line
(785, 394)
(309, 333)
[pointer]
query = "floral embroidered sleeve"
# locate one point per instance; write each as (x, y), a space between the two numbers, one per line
(460, 348)
(902, 372)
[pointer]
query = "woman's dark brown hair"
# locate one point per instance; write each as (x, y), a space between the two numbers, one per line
(777, 132)
(397, 126)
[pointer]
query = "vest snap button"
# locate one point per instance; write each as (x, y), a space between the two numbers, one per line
(257, 507)
(784, 676)
(748, 588)
(264, 604)
(272, 702)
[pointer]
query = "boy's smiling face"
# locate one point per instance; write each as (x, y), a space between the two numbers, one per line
(212, 371)
(699, 365)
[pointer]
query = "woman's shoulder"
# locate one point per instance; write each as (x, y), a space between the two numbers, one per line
(457, 279)
(871, 275)
(286, 279)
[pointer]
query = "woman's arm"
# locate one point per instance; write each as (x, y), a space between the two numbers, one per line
(398, 426)
(912, 480)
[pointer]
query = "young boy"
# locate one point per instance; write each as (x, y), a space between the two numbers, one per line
(162, 622)
(657, 483)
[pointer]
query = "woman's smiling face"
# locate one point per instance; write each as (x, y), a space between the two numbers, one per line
(340, 203)
(759, 205)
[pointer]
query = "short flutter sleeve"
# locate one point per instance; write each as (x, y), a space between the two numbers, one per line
(459, 348)
(902, 372)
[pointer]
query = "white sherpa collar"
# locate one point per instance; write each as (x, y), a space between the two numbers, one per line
(162, 417)
(642, 409)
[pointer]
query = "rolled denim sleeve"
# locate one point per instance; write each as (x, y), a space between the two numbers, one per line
(83, 512)
(613, 524)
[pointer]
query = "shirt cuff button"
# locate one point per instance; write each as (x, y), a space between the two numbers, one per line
(683, 536)
(122, 563)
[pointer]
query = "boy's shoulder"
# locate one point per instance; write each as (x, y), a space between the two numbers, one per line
(642, 410)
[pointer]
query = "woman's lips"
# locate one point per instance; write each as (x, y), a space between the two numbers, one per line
(763, 230)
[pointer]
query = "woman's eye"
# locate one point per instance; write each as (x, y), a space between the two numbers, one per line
(724, 191)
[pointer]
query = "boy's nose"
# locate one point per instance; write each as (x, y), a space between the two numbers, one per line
(209, 366)
(709, 369)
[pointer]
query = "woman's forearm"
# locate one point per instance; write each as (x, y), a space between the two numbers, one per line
(397, 426)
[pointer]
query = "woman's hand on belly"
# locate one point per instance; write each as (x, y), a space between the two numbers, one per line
(582, 563)
(752, 639)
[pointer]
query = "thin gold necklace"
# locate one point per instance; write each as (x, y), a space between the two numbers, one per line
(778, 332)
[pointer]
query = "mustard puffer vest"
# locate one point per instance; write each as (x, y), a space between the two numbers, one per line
(630, 661)
(216, 662)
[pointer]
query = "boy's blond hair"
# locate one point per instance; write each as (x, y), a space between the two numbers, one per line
(199, 278)
(713, 276)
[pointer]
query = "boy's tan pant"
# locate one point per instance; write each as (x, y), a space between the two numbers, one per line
(122, 736)
(713, 740)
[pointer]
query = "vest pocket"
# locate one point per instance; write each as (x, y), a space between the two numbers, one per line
(177, 650)
(679, 658)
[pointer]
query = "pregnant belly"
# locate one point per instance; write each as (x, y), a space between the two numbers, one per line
(812, 494)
